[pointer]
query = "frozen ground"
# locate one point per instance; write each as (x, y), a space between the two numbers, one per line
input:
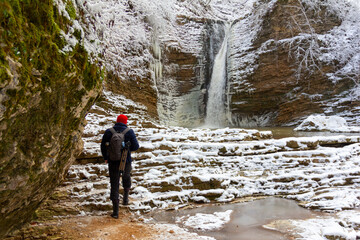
(177, 167)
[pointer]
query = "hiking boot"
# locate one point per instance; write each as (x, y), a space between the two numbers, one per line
(126, 197)
(115, 213)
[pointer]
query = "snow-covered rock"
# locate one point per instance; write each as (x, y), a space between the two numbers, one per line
(326, 123)
(177, 167)
(342, 226)
(206, 222)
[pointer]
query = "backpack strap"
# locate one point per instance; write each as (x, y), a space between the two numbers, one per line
(112, 130)
(125, 131)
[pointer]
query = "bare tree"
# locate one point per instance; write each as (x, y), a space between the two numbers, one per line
(305, 47)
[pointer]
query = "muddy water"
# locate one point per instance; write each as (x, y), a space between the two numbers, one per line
(247, 219)
(283, 132)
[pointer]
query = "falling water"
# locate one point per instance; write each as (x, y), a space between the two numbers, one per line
(215, 109)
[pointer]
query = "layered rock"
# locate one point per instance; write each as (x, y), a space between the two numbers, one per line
(283, 63)
(179, 88)
(278, 67)
(281, 59)
(45, 94)
(287, 80)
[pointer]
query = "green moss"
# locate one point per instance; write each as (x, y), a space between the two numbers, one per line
(70, 9)
(77, 34)
(4, 76)
(11, 92)
(30, 35)
(75, 123)
(91, 76)
(41, 44)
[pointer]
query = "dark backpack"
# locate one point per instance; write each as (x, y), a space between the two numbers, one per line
(116, 144)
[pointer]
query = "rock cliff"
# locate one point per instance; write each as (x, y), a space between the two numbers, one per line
(289, 80)
(44, 96)
(284, 62)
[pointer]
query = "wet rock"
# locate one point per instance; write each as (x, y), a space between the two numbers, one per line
(334, 237)
(96, 206)
(312, 144)
(211, 194)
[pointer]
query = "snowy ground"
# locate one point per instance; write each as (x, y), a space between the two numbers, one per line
(177, 167)
(326, 123)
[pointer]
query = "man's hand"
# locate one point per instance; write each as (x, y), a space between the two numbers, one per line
(106, 161)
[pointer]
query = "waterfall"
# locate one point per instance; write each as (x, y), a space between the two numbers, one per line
(215, 108)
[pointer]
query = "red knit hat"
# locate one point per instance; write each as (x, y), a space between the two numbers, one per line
(122, 119)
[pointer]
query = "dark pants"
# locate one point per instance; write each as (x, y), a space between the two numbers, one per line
(114, 173)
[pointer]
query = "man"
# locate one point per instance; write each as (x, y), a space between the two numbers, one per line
(114, 171)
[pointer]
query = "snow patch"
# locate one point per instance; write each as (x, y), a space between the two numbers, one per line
(206, 222)
(326, 123)
(173, 232)
(324, 228)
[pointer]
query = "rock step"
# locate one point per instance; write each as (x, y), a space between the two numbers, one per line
(178, 166)
(283, 172)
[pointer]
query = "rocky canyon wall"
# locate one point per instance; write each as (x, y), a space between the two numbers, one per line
(284, 77)
(284, 59)
(46, 89)
(283, 62)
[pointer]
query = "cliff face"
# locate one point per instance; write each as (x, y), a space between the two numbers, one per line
(284, 62)
(289, 81)
(286, 59)
(45, 94)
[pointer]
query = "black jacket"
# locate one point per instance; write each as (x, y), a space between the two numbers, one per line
(129, 136)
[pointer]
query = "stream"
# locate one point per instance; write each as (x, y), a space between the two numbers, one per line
(284, 132)
(247, 218)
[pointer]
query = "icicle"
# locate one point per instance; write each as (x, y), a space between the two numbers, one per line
(156, 66)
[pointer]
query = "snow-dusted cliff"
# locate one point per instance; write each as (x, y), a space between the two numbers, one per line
(282, 47)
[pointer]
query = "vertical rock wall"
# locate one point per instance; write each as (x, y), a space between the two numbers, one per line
(278, 63)
(278, 78)
(44, 96)
(182, 86)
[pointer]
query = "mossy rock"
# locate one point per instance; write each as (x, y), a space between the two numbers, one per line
(46, 94)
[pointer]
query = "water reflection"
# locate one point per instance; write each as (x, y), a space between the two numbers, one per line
(247, 218)
(283, 132)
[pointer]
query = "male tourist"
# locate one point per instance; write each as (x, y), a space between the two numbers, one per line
(129, 144)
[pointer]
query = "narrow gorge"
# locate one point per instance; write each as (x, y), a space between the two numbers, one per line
(182, 71)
